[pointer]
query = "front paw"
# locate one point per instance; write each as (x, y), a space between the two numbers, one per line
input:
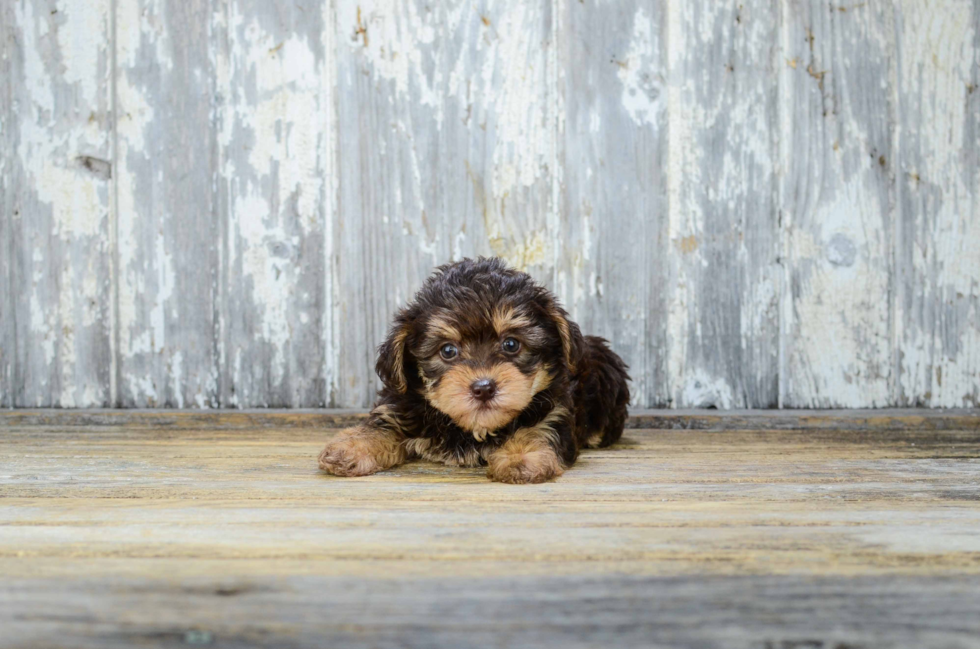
(524, 468)
(355, 452)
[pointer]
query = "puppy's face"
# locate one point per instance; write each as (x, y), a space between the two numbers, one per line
(478, 342)
(483, 367)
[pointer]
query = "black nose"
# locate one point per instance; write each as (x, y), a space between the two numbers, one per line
(483, 389)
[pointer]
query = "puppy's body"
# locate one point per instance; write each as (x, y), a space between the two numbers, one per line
(484, 368)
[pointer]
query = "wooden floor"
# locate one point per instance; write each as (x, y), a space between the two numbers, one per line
(161, 529)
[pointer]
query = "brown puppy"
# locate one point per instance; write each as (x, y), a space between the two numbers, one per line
(484, 368)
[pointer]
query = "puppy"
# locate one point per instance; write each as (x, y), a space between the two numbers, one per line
(484, 368)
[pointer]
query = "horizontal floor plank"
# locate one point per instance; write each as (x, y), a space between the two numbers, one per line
(168, 530)
(579, 611)
(853, 420)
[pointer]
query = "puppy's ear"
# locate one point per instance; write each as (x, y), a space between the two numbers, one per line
(567, 332)
(393, 355)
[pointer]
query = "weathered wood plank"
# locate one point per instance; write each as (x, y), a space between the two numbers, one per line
(836, 201)
(614, 183)
(938, 180)
(909, 479)
(446, 139)
(704, 502)
(56, 169)
(168, 233)
(274, 77)
(8, 122)
(870, 421)
(115, 536)
(723, 309)
(297, 610)
(263, 242)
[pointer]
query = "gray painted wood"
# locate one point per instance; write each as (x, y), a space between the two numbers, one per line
(274, 144)
(836, 204)
(446, 144)
(169, 234)
(56, 315)
(743, 612)
(723, 323)
(8, 248)
(938, 183)
(614, 183)
(759, 203)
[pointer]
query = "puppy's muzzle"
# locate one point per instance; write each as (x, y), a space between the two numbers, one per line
(483, 389)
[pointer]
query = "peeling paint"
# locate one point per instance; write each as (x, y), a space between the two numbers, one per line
(277, 107)
(60, 94)
(502, 64)
(811, 212)
(841, 311)
(700, 390)
(939, 311)
(643, 96)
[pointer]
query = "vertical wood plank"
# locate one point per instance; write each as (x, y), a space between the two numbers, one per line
(57, 165)
(939, 203)
(446, 143)
(723, 310)
(836, 203)
(613, 273)
(8, 122)
(168, 233)
(273, 77)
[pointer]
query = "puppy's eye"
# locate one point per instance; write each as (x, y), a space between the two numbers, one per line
(510, 345)
(448, 351)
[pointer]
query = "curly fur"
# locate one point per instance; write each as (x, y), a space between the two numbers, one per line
(559, 392)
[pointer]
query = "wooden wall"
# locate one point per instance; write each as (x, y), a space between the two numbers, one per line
(219, 203)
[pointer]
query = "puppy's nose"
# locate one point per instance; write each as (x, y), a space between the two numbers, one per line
(483, 389)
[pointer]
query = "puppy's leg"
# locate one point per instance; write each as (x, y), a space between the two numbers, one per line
(373, 446)
(537, 453)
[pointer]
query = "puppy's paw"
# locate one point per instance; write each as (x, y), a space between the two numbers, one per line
(524, 468)
(357, 452)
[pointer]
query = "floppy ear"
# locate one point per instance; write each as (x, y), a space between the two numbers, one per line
(392, 354)
(567, 332)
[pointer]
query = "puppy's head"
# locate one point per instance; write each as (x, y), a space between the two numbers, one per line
(478, 343)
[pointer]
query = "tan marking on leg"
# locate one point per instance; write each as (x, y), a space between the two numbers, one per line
(529, 456)
(386, 415)
(362, 450)
(594, 440)
(423, 448)
(417, 446)
(470, 458)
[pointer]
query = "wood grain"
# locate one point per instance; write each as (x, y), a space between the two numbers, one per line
(115, 535)
(8, 326)
(938, 184)
(837, 199)
(168, 233)
(56, 169)
(447, 149)
(614, 183)
(275, 139)
(336, 611)
(841, 420)
(723, 308)
(221, 203)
